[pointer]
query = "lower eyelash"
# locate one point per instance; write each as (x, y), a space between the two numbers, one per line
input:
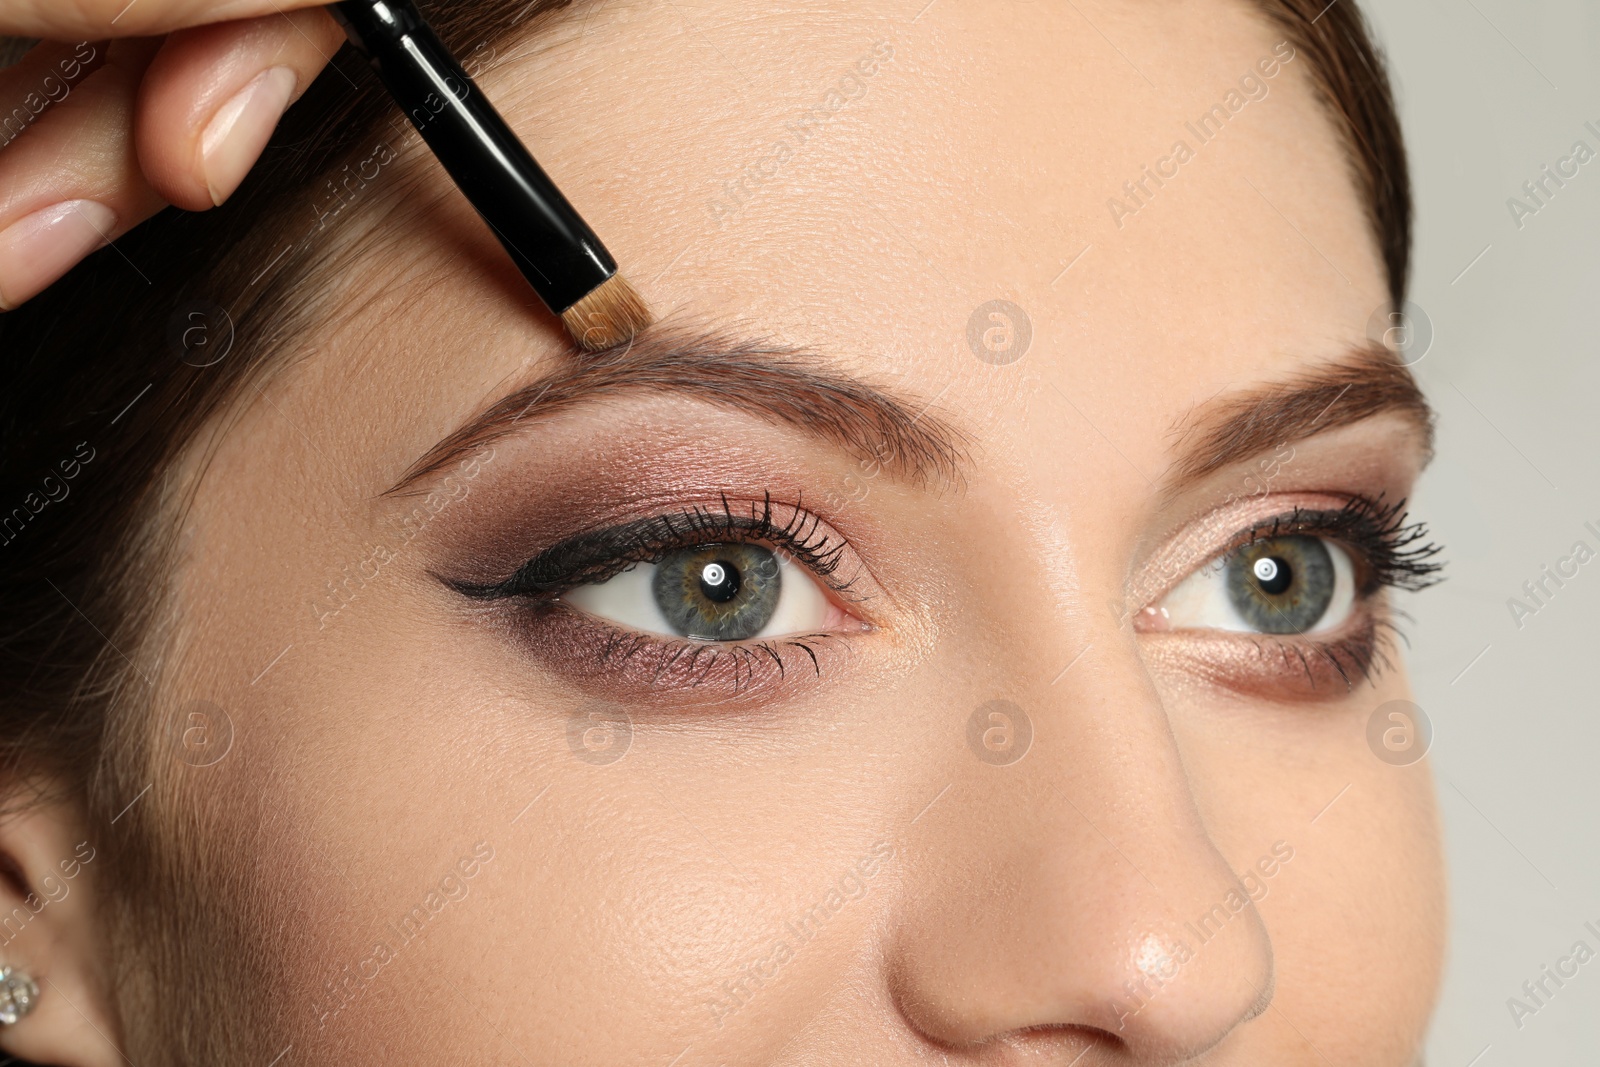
(598, 655)
(625, 645)
(1284, 667)
(1356, 658)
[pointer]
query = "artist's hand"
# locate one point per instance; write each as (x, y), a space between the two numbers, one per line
(163, 102)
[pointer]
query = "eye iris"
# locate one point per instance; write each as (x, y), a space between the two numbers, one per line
(724, 592)
(1281, 585)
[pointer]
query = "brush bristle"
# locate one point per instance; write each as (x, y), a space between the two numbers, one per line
(610, 314)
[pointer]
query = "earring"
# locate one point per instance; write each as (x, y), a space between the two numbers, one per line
(18, 995)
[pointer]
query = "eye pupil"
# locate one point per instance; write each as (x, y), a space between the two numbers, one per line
(1273, 574)
(719, 582)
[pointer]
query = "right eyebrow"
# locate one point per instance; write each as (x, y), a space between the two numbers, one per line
(1359, 385)
(780, 383)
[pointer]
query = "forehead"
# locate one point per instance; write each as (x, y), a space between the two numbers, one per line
(1144, 185)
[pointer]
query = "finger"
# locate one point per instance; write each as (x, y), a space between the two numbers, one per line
(54, 20)
(42, 78)
(72, 182)
(214, 94)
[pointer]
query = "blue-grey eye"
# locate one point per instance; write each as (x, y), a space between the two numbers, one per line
(1282, 585)
(1279, 585)
(718, 592)
(713, 592)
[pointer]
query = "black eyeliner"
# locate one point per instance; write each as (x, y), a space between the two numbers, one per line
(598, 555)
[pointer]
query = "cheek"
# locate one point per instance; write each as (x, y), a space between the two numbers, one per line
(1362, 935)
(1357, 917)
(370, 765)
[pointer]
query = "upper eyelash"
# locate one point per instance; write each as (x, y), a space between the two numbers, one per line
(598, 555)
(1388, 542)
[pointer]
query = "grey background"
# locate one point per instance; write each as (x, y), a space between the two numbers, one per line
(1489, 91)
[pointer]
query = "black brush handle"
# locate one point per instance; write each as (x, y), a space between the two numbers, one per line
(551, 244)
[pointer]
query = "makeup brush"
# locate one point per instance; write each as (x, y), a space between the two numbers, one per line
(550, 243)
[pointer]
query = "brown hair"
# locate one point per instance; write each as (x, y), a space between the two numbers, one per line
(1349, 75)
(105, 389)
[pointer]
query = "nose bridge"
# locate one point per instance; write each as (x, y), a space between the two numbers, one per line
(1064, 889)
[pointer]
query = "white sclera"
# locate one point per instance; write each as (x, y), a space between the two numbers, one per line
(1201, 601)
(629, 599)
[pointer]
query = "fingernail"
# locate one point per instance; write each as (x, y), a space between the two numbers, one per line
(41, 247)
(239, 130)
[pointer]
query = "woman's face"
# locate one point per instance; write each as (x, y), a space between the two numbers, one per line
(1009, 751)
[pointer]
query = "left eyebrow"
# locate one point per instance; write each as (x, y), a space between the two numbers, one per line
(1363, 383)
(780, 383)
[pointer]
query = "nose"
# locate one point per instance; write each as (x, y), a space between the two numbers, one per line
(1074, 897)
